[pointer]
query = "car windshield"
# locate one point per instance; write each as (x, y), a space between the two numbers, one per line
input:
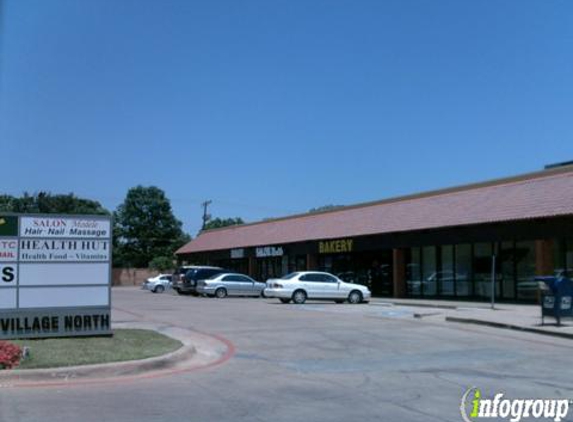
(213, 276)
(289, 276)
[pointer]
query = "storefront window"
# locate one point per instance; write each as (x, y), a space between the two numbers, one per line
(482, 269)
(413, 275)
(525, 268)
(269, 268)
(506, 267)
(558, 254)
(296, 263)
(429, 276)
(563, 253)
(463, 270)
(446, 274)
(325, 263)
(569, 258)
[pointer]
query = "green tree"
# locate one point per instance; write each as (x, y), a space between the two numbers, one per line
(329, 207)
(7, 203)
(145, 228)
(46, 203)
(217, 223)
(161, 264)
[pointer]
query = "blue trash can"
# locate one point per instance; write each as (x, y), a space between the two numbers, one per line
(557, 299)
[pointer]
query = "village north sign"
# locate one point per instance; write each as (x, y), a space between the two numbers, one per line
(55, 276)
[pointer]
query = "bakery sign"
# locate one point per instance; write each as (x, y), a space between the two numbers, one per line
(55, 276)
(336, 246)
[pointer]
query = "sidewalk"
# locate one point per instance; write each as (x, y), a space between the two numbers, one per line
(509, 316)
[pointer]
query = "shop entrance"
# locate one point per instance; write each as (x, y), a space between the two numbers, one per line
(372, 269)
(269, 268)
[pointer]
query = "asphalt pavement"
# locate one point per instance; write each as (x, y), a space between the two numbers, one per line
(315, 362)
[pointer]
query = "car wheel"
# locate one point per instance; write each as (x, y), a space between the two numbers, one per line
(159, 289)
(299, 297)
(220, 293)
(262, 294)
(285, 300)
(355, 297)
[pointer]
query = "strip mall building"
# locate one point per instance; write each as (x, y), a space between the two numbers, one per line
(438, 244)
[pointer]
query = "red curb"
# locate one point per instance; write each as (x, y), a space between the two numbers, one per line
(231, 350)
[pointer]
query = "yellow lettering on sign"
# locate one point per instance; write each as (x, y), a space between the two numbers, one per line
(336, 246)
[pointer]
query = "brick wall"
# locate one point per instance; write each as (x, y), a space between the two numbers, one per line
(131, 276)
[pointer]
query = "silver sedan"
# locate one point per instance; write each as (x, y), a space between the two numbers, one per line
(230, 284)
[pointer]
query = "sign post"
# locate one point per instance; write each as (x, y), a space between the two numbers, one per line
(55, 276)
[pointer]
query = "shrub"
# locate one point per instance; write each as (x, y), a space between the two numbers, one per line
(10, 355)
(161, 263)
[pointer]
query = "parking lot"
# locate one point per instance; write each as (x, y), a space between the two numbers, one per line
(312, 362)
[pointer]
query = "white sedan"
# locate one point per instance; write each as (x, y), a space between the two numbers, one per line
(158, 284)
(303, 285)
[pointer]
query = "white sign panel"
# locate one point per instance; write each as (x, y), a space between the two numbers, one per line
(8, 250)
(8, 274)
(7, 298)
(41, 297)
(54, 227)
(237, 253)
(63, 274)
(55, 276)
(71, 250)
(267, 251)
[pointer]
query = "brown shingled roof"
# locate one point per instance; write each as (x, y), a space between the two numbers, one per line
(543, 194)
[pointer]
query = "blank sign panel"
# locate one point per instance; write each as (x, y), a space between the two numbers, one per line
(63, 274)
(60, 297)
(7, 298)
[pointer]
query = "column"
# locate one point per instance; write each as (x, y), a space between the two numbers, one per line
(399, 272)
(544, 263)
(252, 267)
(311, 262)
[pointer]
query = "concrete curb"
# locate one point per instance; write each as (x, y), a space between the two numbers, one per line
(103, 370)
(414, 305)
(509, 327)
(199, 351)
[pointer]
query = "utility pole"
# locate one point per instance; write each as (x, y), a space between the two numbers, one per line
(206, 217)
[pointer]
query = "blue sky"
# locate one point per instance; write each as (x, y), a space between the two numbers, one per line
(274, 107)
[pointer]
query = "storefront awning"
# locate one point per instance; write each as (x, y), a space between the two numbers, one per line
(540, 195)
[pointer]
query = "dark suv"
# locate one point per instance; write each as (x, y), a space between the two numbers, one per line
(187, 284)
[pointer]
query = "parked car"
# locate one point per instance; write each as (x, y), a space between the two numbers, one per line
(188, 282)
(230, 284)
(180, 272)
(303, 285)
(158, 284)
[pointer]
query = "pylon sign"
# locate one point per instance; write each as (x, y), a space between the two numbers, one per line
(55, 275)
